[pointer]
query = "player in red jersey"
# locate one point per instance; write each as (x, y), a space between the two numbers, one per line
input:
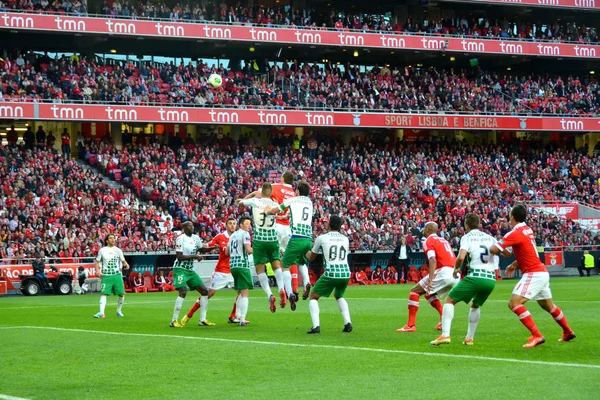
(221, 278)
(283, 191)
(535, 282)
(441, 260)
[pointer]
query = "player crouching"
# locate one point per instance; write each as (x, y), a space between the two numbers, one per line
(335, 247)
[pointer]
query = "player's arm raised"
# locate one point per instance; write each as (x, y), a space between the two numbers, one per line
(252, 195)
(462, 255)
(275, 210)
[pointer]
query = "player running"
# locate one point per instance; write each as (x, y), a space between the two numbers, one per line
(479, 283)
(281, 192)
(335, 248)
(108, 267)
(187, 247)
(265, 244)
(301, 215)
(238, 249)
(221, 278)
(535, 282)
(441, 260)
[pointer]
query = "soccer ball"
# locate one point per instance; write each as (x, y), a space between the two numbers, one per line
(215, 80)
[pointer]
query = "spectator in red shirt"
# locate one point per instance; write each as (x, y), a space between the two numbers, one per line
(66, 143)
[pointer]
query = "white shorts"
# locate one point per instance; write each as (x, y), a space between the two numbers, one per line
(284, 233)
(443, 281)
(220, 281)
(534, 286)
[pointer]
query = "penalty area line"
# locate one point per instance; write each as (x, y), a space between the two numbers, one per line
(313, 346)
(7, 397)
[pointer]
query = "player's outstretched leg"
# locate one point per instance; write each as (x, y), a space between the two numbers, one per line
(294, 273)
(305, 281)
(413, 308)
(203, 311)
(560, 319)
(517, 306)
(191, 313)
(437, 304)
(474, 315)
(233, 314)
(102, 307)
(447, 316)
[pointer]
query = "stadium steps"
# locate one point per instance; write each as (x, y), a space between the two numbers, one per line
(109, 182)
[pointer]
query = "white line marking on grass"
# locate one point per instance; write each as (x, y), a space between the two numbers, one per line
(7, 397)
(128, 303)
(314, 346)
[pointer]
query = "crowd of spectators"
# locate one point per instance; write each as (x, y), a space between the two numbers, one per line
(52, 205)
(322, 18)
(384, 192)
(37, 77)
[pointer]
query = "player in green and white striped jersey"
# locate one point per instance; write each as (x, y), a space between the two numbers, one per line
(477, 285)
(108, 267)
(301, 215)
(238, 249)
(265, 243)
(335, 248)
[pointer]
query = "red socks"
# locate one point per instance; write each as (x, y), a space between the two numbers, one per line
(560, 319)
(413, 307)
(527, 320)
(195, 308)
(435, 303)
(294, 272)
(232, 315)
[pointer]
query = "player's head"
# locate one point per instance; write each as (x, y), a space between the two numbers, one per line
(430, 228)
(518, 214)
(403, 241)
(188, 227)
(266, 190)
(287, 178)
(245, 223)
(471, 221)
(230, 225)
(303, 188)
(335, 223)
(110, 239)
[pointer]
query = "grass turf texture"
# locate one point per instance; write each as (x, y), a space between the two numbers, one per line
(147, 359)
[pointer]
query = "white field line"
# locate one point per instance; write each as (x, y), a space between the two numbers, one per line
(133, 303)
(7, 397)
(314, 346)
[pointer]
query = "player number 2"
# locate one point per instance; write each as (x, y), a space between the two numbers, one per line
(484, 256)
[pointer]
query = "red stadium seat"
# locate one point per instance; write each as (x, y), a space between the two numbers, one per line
(413, 274)
(424, 271)
(149, 282)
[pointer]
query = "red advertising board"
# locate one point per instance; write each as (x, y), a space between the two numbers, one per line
(570, 211)
(12, 272)
(360, 40)
(237, 116)
(554, 259)
(580, 4)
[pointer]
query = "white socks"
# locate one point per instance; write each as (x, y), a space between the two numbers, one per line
(313, 306)
(264, 283)
(120, 301)
(303, 269)
(243, 307)
(279, 278)
(474, 315)
(343, 305)
(203, 307)
(102, 304)
(447, 317)
(287, 282)
(178, 305)
(238, 307)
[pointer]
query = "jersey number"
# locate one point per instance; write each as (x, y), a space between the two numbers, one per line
(305, 214)
(336, 253)
(484, 256)
(263, 220)
(234, 246)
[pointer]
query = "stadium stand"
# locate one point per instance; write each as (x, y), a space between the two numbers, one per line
(29, 76)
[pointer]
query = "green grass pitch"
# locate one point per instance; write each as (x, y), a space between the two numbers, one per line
(52, 348)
